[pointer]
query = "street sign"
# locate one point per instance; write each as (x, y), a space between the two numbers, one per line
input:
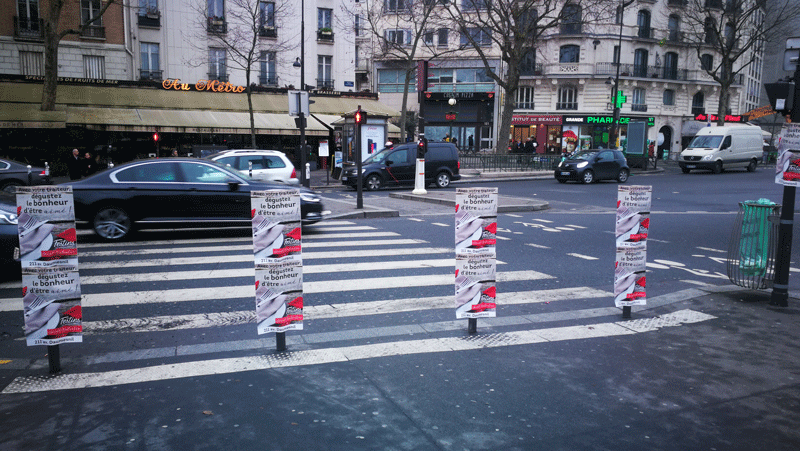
(294, 98)
(793, 43)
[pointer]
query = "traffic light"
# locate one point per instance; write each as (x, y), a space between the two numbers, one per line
(422, 148)
(155, 137)
(361, 117)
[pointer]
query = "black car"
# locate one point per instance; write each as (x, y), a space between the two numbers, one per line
(9, 238)
(172, 192)
(589, 166)
(397, 166)
(14, 173)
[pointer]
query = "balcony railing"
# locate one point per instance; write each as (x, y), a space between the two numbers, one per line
(324, 35)
(217, 25)
(268, 80)
(638, 107)
(94, 31)
(150, 74)
(267, 32)
(568, 69)
(150, 18)
(570, 28)
(566, 105)
(639, 71)
(218, 77)
(28, 29)
(645, 32)
(325, 83)
(698, 110)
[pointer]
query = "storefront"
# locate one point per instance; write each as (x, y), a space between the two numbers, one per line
(468, 120)
(545, 130)
(591, 132)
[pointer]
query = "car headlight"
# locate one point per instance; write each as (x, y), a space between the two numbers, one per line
(308, 197)
(708, 157)
(8, 218)
(561, 164)
(582, 164)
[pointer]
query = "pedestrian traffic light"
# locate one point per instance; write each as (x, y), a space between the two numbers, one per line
(361, 117)
(422, 148)
(155, 137)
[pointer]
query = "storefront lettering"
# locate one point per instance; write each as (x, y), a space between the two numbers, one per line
(202, 85)
(728, 118)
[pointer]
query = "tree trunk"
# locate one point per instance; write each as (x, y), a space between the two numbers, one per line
(722, 105)
(252, 116)
(51, 39)
(404, 107)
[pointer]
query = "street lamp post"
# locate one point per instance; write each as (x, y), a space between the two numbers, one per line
(613, 130)
(301, 62)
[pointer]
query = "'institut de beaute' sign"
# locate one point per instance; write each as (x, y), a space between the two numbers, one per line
(202, 85)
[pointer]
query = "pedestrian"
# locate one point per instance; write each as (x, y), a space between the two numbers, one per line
(175, 153)
(529, 148)
(389, 145)
(471, 142)
(75, 165)
(88, 165)
(454, 141)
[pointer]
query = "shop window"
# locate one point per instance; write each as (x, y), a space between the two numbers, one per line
(669, 97)
(31, 63)
(525, 98)
(94, 66)
(567, 98)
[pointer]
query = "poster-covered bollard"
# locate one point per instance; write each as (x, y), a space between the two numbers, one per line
(632, 228)
(51, 288)
(277, 251)
(476, 257)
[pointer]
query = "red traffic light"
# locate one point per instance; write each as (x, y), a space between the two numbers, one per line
(360, 117)
(155, 136)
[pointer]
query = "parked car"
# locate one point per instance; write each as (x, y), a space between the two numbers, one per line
(172, 192)
(268, 165)
(14, 173)
(720, 148)
(397, 166)
(9, 238)
(589, 166)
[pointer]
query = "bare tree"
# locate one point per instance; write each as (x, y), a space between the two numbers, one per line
(403, 32)
(53, 34)
(251, 33)
(725, 33)
(511, 30)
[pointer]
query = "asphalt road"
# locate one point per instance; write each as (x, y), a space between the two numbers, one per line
(171, 359)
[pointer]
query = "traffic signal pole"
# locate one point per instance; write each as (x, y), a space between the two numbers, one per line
(359, 117)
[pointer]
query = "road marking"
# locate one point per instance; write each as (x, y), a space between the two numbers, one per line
(328, 311)
(416, 219)
(537, 246)
(575, 226)
(200, 368)
(441, 225)
(585, 257)
(710, 249)
(512, 215)
(542, 220)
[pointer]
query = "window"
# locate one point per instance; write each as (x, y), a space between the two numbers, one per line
(639, 102)
(618, 15)
(203, 173)
(671, 66)
(528, 64)
(640, 63)
(324, 18)
(28, 13)
(730, 35)
(669, 97)
(31, 63)
(524, 98)
(90, 10)
(674, 25)
(149, 61)
(357, 26)
(395, 5)
(710, 29)
(266, 16)
(707, 62)
(571, 19)
(94, 66)
(325, 71)
(698, 101)
(216, 9)
(148, 7)
(474, 5)
(152, 172)
(615, 56)
(442, 37)
(428, 38)
(643, 21)
(268, 74)
(480, 36)
(217, 68)
(399, 37)
(391, 80)
(714, 4)
(567, 98)
(569, 54)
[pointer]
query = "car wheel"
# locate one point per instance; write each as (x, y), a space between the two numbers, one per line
(588, 176)
(373, 183)
(686, 170)
(717, 167)
(752, 166)
(623, 175)
(10, 186)
(443, 180)
(112, 223)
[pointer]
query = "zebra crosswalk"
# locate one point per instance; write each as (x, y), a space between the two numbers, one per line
(351, 272)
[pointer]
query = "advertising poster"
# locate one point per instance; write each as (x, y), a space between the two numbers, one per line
(277, 255)
(787, 169)
(51, 289)
(632, 228)
(476, 286)
(476, 258)
(629, 277)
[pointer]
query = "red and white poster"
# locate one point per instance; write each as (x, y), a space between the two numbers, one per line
(476, 258)
(51, 288)
(632, 230)
(277, 253)
(787, 169)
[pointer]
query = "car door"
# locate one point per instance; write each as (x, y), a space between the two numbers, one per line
(150, 191)
(605, 165)
(212, 193)
(400, 166)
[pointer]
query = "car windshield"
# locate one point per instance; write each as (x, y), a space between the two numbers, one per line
(378, 157)
(706, 141)
(584, 155)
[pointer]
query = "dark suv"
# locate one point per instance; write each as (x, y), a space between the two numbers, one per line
(397, 166)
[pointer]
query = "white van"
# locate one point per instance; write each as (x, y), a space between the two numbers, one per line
(720, 148)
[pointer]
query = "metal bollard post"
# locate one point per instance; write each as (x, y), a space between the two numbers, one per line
(30, 177)
(280, 341)
(54, 357)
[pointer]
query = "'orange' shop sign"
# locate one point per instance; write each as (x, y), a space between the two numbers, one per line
(202, 85)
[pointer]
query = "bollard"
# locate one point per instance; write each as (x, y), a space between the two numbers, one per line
(472, 325)
(47, 172)
(626, 312)
(54, 357)
(280, 341)
(308, 171)
(30, 177)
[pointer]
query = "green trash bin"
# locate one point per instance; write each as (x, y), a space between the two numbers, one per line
(751, 254)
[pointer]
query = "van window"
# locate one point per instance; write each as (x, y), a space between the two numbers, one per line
(399, 157)
(439, 153)
(727, 142)
(378, 157)
(706, 141)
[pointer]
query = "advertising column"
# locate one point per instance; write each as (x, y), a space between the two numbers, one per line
(51, 289)
(277, 246)
(476, 258)
(632, 227)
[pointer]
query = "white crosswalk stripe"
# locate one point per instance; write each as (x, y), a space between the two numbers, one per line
(350, 271)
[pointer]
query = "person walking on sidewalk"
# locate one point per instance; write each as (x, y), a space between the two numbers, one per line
(75, 165)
